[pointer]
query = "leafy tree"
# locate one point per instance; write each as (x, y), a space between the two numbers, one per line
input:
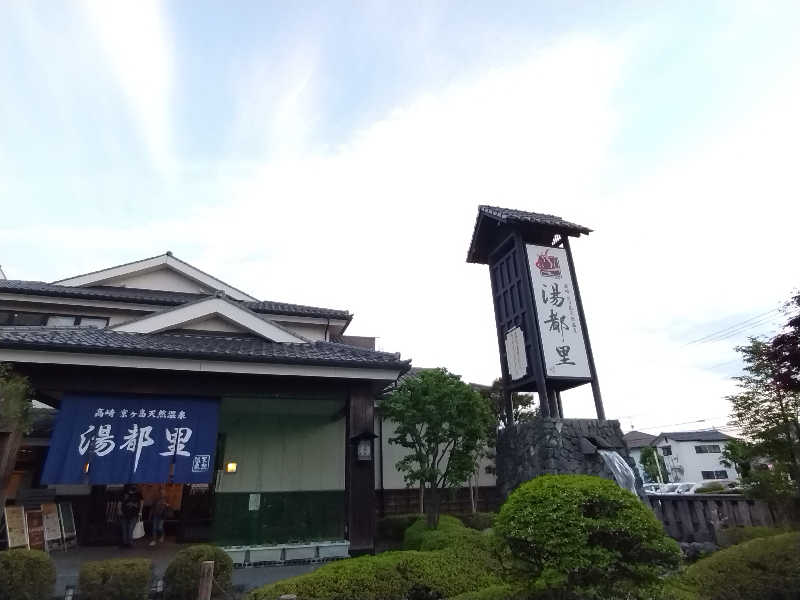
(765, 410)
(784, 349)
(443, 422)
(522, 405)
(739, 454)
(653, 465)
(16, 417)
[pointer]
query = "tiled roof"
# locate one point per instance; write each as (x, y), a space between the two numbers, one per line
(708, 435)
(494, 224)
(638, 439)
(163, 298)
(200, 346)
(510, 215)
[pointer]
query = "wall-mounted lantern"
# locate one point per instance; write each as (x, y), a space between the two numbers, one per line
(362, 444)
(231, 467)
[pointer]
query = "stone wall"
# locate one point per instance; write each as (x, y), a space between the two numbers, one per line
(556, 446)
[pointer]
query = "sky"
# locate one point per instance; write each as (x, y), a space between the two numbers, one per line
(335, 154)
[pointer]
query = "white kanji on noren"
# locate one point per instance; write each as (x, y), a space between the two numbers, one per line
(104, 442)
(83, 445)
(137, 438)
(176, 440)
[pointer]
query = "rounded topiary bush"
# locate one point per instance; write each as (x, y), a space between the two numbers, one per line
(479, 520)
(393, 527)
(182, 577)
(415, 535)
(767, 568)
(117, 578)
(578, 536)
(26, 575)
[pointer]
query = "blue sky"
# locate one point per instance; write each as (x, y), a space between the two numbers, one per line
(335, 153)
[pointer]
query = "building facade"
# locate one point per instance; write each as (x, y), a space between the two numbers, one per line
(689, 456)
(259, 416)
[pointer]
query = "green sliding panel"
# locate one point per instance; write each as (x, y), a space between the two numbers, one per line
(281, 518)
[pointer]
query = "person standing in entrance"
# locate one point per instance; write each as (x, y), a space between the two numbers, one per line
(130, 512)
(159, 513)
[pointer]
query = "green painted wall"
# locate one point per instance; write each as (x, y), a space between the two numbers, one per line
(282, 517)
(291, 452)
(283, 445)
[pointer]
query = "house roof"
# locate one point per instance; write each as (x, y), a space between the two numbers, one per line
(638, 439)
(159, 297)
(240, 348)
(162, 261)
(707, 435)
(493, 225)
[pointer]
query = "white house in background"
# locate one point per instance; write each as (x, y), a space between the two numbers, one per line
(694, 456)
(637, 440)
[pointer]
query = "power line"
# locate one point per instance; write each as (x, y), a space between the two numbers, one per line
(737, 325)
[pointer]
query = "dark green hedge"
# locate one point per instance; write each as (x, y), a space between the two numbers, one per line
(578, 536)
(494, 592)
(479, 520)
(462, 561)
(120, 579)
(393, 527)
(182, 576)
(765, 568)
(26, 575)
(414, 536)
(738, 535)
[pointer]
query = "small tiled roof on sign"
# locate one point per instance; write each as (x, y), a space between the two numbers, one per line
(158, 297)
(638, 439)
(509, 215)
(239, 348)
(708, 435)
(494, 224)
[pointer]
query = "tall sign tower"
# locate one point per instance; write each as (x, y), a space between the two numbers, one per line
(541, 327)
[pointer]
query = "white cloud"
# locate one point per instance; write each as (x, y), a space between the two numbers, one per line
(135, 41)
(381, 225)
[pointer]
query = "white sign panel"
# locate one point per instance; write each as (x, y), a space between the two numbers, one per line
(516, 358)
(559, 324)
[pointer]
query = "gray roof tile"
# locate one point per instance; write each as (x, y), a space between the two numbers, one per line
(708, 435)
(191, 345)
(159, 297)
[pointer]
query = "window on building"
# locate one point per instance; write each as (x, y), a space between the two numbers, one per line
(11, 317)
(707, 449)
(76, 321)
(714, 474)
(666, 450)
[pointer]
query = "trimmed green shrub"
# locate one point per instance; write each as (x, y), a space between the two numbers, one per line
(414, 536)
(767, 568)
(118, 578)
(26, 575)
(493, 592)
(442, 573)
(579, 536)
(738, 535)
(479, 520)
(711, 488)
(393, 527)
(182, 577)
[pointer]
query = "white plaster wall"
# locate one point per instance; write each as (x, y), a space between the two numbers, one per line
(310, 331)
(392, 453)
(683, 453)
(162, 278)
(288, 445)
(214, 324)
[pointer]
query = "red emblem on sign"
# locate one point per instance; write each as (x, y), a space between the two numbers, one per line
(548, 265)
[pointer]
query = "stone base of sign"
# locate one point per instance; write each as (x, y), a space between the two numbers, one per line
(558, 447)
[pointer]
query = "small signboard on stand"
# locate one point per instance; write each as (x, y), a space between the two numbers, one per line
(35, 523)
(52, 526)
(16, 527)
(68, 532)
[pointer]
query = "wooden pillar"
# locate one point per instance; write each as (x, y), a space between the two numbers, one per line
(10, 442)
(360, 474)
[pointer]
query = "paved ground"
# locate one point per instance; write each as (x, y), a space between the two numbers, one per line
(68, 565)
